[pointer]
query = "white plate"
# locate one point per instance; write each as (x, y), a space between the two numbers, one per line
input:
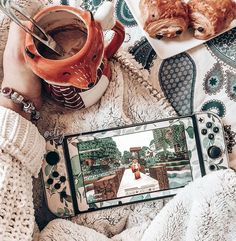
(166, 48)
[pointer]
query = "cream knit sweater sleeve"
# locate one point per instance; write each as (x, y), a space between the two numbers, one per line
(21, 152)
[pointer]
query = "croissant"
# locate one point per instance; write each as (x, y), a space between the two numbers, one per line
(210, 17)
(164, 18)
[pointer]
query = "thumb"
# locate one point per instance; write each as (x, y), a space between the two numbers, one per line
(15, 42)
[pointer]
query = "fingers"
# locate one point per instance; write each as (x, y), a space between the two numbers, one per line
(16, 36)
(15, 42)
(16, 31)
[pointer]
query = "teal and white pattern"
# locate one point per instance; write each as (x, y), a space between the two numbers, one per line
(231, 85)
(213, 80)
(203, 78)
(176, 76)
(124, 15)
(224, 48)
(216, 106)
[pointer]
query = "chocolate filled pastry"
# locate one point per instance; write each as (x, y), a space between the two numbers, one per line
(164, 18)
(210, 17)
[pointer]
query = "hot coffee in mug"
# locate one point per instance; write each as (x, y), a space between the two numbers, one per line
(69, 32)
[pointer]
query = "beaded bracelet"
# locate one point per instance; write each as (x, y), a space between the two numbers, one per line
(28, 106)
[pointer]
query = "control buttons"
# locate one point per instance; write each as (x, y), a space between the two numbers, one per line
(212, 167)
(201, 120)
(63, 194)
(55, 174)
(204, 131)
(211, 136)
(208, 124)
(216, 129)
(50, 181)
(62, 179)
(214, 152)
(57, 186)
(52, 158)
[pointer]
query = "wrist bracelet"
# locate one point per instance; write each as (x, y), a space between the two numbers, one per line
(28, 106)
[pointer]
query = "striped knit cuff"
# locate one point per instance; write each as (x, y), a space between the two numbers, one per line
(21, 139)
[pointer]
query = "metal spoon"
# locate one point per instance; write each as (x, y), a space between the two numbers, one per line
(7, 8)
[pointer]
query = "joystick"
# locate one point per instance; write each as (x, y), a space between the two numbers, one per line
(214, 152)
(212, 167)
(52, 158)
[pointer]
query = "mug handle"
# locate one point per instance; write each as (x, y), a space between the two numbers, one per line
(117, 40)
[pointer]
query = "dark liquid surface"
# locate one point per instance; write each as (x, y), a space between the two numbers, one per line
(70, 38)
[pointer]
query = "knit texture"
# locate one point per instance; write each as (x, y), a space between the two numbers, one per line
(21, 149)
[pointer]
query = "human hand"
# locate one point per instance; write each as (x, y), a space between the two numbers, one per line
(17, 74)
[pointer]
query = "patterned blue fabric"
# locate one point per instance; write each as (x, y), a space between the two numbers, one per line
(217, 105)
(176, 76)
(143, 53)
(179, 75)
(224, 47)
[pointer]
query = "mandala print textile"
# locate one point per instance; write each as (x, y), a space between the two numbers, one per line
(201, 79)
(215, 84)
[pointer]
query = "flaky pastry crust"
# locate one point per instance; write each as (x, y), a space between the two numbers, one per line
(164, 18)
(210, 17)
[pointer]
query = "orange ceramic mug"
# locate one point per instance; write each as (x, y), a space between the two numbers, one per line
(80, 78)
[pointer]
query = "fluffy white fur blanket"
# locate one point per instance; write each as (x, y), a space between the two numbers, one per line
(205, 210)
